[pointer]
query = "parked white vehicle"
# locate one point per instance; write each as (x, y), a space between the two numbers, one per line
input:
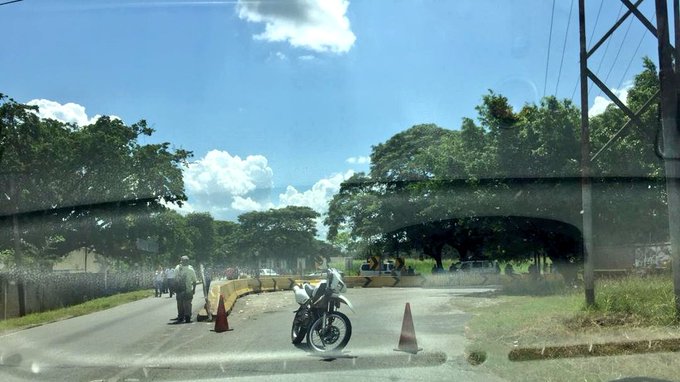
(366, 270)
(267, 272)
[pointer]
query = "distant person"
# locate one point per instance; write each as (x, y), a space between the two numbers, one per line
(509, 270)
(533, 271)
(208, 280)
(497, 267)
(185, 286)
(170, 277)
(158, 282)
(173, 289)
(165, 281)
(231, 273)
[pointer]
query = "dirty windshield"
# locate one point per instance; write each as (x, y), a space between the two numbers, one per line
(343, 189)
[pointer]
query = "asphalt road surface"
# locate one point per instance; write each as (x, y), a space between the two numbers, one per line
(134, 342)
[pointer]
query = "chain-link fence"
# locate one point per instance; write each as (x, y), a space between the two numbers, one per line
(50, 290)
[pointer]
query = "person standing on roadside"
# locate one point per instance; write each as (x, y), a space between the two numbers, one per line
(185, 287)
(158, 282)
(170, 280)
(174, 289)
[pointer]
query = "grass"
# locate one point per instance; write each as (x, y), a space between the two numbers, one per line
(525, 285)
(35, 319)
(645, 301)
(629, 309)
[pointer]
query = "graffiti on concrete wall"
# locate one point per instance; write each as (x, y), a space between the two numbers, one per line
(653, 256)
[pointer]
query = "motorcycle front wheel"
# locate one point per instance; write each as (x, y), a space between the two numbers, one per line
(334, 337)
(297, 332)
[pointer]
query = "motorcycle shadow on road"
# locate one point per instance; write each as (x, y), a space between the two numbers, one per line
(327, 357)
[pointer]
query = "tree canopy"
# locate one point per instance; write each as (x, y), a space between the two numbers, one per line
(506, 185)
(286, 233)
(67, 186)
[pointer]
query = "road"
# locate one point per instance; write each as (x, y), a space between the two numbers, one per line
(133, 342)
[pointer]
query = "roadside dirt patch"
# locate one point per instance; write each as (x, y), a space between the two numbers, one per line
(475, 301)
(579, 322)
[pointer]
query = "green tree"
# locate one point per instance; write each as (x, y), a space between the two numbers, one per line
(202, 232)
(71, 186)
(226, 252)
(282, 234)
(629, 201)
(431, 188)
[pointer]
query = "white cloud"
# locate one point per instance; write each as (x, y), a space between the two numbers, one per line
(224, 185)
(321, 26)
(220, 171)
(248, 204)
(227, 186)
(186, 208)
(281, 56)
(359, 160)
(306, 57)
(69, 112)
(316, 198)
(600, 103)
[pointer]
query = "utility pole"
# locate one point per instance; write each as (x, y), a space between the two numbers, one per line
(669, 95)
(670, 86)
(16, 238)
(586, 194)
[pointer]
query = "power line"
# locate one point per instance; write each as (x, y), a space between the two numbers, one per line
(564, 46)
(597, 18)
(547, 61)
(606, 49)
(10, 2)
(630, 23)
(590, 43)
(625, 73)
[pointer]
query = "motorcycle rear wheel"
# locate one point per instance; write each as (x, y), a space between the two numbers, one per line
(334, 338)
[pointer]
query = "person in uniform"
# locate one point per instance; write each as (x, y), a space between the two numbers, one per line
(185, 287)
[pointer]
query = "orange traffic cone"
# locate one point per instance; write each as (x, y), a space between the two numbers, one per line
(407, 340)
(221, 323)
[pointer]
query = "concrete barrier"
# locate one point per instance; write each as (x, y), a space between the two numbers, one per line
(234, 289)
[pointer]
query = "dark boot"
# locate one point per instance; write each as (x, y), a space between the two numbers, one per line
(187, 319)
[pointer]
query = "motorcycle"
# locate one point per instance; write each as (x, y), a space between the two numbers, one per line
(318, 318)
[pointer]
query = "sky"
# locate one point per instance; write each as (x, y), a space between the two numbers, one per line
(280, 101)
